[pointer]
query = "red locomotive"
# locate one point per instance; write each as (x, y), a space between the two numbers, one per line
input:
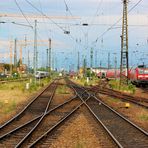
(139, 75)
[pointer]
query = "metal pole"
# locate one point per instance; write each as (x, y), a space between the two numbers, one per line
(47, 66)
(28, 63)
(35, 48)
(49, 54)
(96, 59)
(124, 46)
(91, 58)
(115, 67)
(109, 60)
(15, 54)
(10, 57)
(78, 61)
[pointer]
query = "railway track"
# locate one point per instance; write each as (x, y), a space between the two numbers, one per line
(35, 108)
(56, 119)
(143, 102)
(123, 132)
(35, 132)
(25, 134)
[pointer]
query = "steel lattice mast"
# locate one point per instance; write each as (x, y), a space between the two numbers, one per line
(124, 46)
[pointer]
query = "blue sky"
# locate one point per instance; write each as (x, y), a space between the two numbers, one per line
(99, 14)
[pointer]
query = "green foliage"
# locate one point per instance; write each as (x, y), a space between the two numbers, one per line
(144, 117)
(114, 84)
(80, 144)
(1, 104)
(88, 73)
(62, 90)
(15, 75)
(42, 69)
(33, 87)
(7, 66)
(11, 106)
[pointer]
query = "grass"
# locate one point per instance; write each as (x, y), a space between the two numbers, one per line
(62, 90)
(79, 145)
(10, 107)
(143, 116)
(130, 88)
(13, 94)
(114, 100)
(83, 81)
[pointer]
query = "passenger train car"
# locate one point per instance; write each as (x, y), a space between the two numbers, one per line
(139, 75)
(41, 74)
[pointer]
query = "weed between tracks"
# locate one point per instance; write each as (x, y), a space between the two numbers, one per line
(63, 90)
(83, 81)
(14, 95)
(143, 116)
(130, 88)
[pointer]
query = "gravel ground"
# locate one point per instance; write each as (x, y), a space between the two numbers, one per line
(142, 92)
(22, 100)
(135, 113)
(81, 131)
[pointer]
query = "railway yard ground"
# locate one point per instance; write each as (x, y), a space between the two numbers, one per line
(137, 114)
(14, 96)
(72, 117)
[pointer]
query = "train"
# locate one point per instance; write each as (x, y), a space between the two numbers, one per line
(139, 75)
(136, 75)
(41, 74)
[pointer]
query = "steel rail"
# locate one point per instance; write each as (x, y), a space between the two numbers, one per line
(37, 118)
(140, 99)
(122, 97)
(26, 107)
(125, 99)
(40, 120)
(106, 129)
(56, 125)
(61, 121)
(119, 115)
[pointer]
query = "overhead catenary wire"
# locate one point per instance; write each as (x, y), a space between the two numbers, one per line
(96, 14)
(43, 18)
(68, 9)
(44, 15)
(116, 22)
(49, 19)
(22, 13)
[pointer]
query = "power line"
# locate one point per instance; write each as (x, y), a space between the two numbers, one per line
(44, 15)
(117, 21)
(22, 13)
(49, 19)
(68, 9)
(25, 19)
(96, 13)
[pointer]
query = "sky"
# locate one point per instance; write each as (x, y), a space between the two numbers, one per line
(56, 16)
